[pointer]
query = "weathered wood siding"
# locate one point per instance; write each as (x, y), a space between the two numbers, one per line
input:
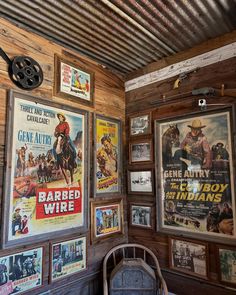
(109, 100)
(140, 100)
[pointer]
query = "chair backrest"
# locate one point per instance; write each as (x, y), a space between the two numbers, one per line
(162, 288)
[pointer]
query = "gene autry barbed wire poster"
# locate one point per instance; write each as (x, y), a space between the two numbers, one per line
(196, 175)
(46, 181)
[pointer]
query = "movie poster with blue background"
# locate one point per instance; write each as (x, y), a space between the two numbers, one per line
(196, 169)
(47, 175)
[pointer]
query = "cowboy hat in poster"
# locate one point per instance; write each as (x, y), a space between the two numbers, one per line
(46, 181)
(196, 175)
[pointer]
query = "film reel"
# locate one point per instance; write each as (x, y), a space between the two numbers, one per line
(24, 71)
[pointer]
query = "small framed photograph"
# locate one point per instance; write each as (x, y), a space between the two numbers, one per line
(72, 80)
(226, 258)
(190, 257)
(68, 257)
(141, 152)
(141, 215)
(140, 125)
(140, 182)
(21, 272)
(106, 219)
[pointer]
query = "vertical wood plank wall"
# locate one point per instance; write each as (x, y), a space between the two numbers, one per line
(109, 99)
(139, 100)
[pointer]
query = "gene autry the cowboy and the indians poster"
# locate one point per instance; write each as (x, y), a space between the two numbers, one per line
(46, 181)
(107, 155)
(196, 175)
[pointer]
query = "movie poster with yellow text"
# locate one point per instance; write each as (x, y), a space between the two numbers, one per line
(107, 220)
(107, 156)
(197, 175)
(47, 175)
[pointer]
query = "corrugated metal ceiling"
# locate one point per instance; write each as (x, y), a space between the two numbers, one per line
(124, 35)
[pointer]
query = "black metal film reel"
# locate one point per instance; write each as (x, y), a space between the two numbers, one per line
(24, 71)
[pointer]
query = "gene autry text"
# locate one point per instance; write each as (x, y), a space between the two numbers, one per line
(187, 174)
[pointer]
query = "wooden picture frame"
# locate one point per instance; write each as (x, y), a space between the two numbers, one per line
(141, 215)
(140, 124)
(72, 80)
(141, 182)
(226, 264)
(42, 196)
(141, 151)
(107, 156)
(107, 219)
(68, 257)
(184, 204)
(189, 256)
(23, 270)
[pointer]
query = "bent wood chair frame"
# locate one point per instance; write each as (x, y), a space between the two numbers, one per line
(162, 288)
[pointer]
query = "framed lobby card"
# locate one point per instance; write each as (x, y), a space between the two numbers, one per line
(190, 257)
(140, 182)
(140, 124)
(72, 80)
(21, 272)
(141, 215)
(106, 219)
(45, 192)
(107, 155)
(141, 151)
(195, 176)
(226, 258)
(67, 258)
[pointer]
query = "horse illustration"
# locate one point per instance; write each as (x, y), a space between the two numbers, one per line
(65, 157)
(170, 139)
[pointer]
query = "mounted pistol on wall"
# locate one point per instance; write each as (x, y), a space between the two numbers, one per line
(183, 76)
(24, 71)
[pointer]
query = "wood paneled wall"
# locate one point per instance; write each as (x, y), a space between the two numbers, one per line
(141, 100)
(109, 100)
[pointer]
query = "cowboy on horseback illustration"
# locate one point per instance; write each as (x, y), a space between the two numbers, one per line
(62, 131)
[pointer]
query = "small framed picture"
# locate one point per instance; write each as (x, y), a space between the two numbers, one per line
(190, 257)
(72, 80)
(140, 182)
(21, 272)
(67, 258)
(141, 215)
(106, 219)
(141, 152)
(140, 125)
(226, 258)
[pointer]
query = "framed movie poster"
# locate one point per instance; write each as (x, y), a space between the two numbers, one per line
(73, 81)
(140, 124)
(106, 219)
(140, 182)
(141, 215)
(68, 257)
(190, 257)
(195, 176)
(226, 257)
(21, 272)
(107, 155)
(47, 153)
(140, 152)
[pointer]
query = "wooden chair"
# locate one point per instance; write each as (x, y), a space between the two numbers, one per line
(125, 250)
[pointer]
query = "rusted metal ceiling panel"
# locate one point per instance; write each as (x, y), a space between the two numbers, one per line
(124, 35)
